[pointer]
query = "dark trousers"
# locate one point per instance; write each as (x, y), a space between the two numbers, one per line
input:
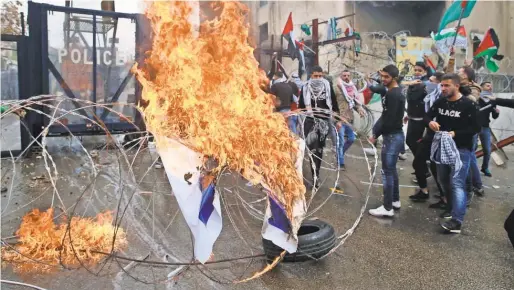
(509, 227)
(420, 164)
(316, 132)
(415, 130)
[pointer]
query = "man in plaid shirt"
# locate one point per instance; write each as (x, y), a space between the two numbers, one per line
(457, 116)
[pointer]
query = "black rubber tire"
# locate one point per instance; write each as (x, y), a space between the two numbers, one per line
(315, 239)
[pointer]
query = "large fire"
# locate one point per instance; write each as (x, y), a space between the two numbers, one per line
(205, 89)
(42, 244)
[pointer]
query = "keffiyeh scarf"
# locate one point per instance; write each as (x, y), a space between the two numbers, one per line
(444, 151)
(317, 89)
(343, 85)
(433, 93)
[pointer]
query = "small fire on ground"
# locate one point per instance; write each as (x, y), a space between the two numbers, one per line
(43, 244)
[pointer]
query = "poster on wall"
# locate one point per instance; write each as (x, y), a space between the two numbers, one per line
(409, 50)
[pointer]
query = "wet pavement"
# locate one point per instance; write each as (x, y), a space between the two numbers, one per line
(408, 251)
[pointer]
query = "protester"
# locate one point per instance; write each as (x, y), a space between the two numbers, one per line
(390, 126)
(346, 93)
(423, 150)
(284, 93)
(471, 90)
(487, 109)
(416, 93)
(455, 116)
(318, 99)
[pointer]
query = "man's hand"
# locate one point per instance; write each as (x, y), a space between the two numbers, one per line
(434, 126)
(452, 133)
(339, 125)
(361, 112)
(372, 140)
(405, 119)
(497, 110)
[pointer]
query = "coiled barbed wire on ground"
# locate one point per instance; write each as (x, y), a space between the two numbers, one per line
(117, 177)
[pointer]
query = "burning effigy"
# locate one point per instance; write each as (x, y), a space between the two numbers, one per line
(203, 100)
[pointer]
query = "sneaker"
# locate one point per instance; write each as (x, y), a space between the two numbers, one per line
(438, 205)
(415, 180)
(381, 212)
(470, 196)
(452, 226)
(479, 191)
(446, 215)
(487, 172)
(397, 205)
(402, 156)
(419, 196)
(342, 167)
(158, 165)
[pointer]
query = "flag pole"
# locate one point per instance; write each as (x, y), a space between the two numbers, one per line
(457, 29)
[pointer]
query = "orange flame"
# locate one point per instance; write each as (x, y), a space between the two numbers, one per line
(40, 241)
(205, 90)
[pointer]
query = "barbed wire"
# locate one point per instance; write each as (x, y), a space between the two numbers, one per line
(128, 175)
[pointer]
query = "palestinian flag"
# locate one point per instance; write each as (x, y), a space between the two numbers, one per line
(455, 11)
(488, 49)
(288, 35)
(445, 38)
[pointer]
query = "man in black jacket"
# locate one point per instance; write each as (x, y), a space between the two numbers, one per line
(390, 127)
(416, 93)
(487, 109)
(318, 99)
(457, 115)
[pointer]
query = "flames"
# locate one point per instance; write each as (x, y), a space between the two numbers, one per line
(42, 244)
(205, 89)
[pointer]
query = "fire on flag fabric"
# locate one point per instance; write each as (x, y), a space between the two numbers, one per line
(445, 38)
(488, 49)
(289, 36)
(276, 226)
(195, 193)
(454, 12)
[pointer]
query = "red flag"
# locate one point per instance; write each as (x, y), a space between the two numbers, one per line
(289, 25)
(288, 35)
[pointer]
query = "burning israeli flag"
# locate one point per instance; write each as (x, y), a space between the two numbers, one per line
(195, 193)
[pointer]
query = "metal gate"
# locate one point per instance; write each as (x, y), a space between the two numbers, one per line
(15, 83)
(86, 56)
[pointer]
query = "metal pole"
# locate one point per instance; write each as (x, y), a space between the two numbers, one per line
(457, 30)
(22, 18)
(315, 40)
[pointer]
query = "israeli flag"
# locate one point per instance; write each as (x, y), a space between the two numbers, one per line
(276, 226)
(195, 194)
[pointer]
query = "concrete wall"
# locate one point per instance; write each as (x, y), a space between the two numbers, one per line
(389, 17)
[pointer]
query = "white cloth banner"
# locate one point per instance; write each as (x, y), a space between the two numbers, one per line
(276, 227)
(200, 206)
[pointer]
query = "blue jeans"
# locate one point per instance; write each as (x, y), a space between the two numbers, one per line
(392, 145)
(343, 145)
(485, 139)
(473, 178)
(292, 120)
(454, 186)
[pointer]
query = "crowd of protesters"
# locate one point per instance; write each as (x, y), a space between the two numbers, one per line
(446, 114)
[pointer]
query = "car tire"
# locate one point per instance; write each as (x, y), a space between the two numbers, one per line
(315, 239)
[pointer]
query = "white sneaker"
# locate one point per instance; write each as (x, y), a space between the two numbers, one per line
(397, 205)
(381, 212)
(402, 156)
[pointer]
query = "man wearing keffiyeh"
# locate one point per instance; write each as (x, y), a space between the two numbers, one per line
(318, 99)
(347, 98)
(457, 116)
